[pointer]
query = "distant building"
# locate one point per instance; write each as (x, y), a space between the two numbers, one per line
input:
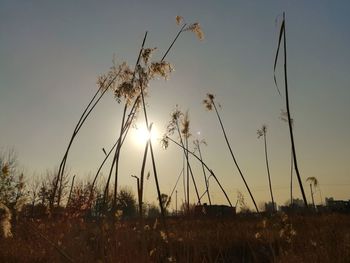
(296, 206)
(337, 205)
(214, 210)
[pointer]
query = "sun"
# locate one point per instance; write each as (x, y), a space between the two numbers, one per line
(142, 135)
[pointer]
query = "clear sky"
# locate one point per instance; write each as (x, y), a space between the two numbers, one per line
(51, 53)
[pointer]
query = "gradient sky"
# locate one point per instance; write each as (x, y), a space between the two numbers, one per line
(51, 53)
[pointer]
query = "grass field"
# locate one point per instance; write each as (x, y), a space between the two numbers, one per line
(280, 238)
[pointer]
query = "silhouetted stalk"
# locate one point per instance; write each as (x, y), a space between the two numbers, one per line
(143, 172)
(177, 181)
(312, 196)
(291, 178)
(184, 178)
(283, 30)
(149, 142)
(125, 132)
(119, 145)
(137, 99)
(262, 132)
(268, 174)
(233, 157)
(172, 43)
(283, 115)
(204, 174)
(70, 191)
(313, 181)
(115, 163)
(201, 161)
(78, 126)
(117, 151)
(189, 168)
(138, 194)
(187, 175)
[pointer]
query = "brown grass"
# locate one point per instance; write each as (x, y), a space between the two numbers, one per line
(308, 238)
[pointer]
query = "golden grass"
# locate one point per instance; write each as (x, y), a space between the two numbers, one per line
(309, 238)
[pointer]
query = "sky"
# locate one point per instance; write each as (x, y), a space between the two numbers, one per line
(52, 52)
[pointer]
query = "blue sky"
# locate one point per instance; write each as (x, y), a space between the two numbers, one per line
(52, 52)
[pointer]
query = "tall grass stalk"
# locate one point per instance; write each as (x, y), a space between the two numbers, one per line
(70, 191)
(313, 182)
(262, 133)
(210, 104)
(125, 132)
(290, 122)
(143, 173)
(165, 143)
(183, 135)
(149, 142)
(291, 178)
(87, 111)
(115, 163)
(197, 145)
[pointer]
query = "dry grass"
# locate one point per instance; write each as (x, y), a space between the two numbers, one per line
(309, 238)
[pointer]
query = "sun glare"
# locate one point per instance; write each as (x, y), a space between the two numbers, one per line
(142, 135)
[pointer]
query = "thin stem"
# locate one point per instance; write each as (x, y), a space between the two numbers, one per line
(80, 123)
(206, 167)
(268, 173)
(117, 158)
(189, 169)
(70, 192)
(312, 196)
(288, 114)
(291, 179)
(184, 177)
(187, 174)
(152, 156)
(177, 181)
(125, 131)
(233, 157)
(143, 172)
(204, 174)
(172, 43)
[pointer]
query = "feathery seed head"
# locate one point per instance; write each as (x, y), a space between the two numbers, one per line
(147, 53)
(312, 180)
(179, 20)
(162, 69)
(209, 101)
(186, 125)
(196, 28)
(165, 142)
(261, 132)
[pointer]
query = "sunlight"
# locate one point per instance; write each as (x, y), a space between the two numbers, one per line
(142, 135)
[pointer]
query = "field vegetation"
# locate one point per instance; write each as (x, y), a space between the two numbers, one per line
(62, 218)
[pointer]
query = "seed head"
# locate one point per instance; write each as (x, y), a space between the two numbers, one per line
(162, 69)
(196, 28)
(179, 20)
(147, 53)
(261, 132)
